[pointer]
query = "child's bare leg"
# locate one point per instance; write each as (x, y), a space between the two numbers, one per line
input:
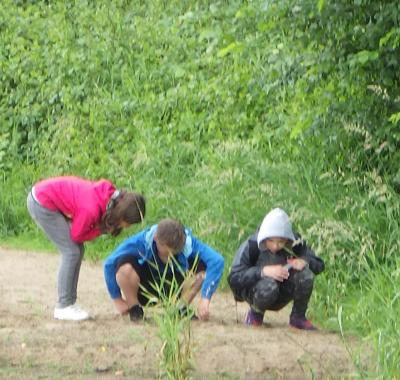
(192, 286)
(128, 280)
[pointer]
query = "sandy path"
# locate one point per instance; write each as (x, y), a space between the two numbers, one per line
(35, 346)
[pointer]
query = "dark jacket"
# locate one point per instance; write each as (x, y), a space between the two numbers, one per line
(249, 260)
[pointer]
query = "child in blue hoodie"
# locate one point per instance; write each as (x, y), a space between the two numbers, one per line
(273, 267)
(140, 261)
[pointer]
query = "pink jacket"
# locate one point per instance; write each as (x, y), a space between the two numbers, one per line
(82, 201)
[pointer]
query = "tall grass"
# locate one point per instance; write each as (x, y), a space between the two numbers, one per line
(174, 328)
(353, 223)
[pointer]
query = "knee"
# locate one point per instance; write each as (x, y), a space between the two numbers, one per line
(266, 294)
(126, 272)
(73, 254)
(305, 278)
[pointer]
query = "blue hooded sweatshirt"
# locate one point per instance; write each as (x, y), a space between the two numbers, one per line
(142, 247)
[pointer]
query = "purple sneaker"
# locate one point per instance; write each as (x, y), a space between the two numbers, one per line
(253, 318)
(301, 323)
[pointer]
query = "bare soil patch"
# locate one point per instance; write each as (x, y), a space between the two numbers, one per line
(33, 345)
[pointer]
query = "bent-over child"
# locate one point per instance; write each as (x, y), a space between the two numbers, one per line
(164, 249)
(72, 210)
(273, 267)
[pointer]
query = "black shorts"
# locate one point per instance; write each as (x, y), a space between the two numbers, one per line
(149, 275)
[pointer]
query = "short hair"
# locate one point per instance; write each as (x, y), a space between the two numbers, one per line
(170, 232)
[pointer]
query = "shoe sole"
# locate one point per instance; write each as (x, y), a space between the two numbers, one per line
(71, 319)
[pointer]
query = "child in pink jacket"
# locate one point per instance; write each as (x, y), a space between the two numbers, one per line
(72, 210)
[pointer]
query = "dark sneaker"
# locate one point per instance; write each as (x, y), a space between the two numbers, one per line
(253, 318)
(136, 313)
(301, 323)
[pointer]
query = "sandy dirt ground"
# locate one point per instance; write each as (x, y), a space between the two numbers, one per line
(33, 345)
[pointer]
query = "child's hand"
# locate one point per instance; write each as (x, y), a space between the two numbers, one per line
(298, 264)
(203, 309)
(121, 306)
(277, 272)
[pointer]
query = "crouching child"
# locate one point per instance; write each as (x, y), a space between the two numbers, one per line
(156, 257)
(273, 267)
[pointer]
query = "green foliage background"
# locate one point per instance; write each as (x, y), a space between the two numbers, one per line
(217, 112)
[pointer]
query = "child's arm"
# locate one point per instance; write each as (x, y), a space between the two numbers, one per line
(203, 309)
(214, 263)
(277, 272)
(244, 273)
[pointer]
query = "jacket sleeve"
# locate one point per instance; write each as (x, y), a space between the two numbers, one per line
(133, 246)
(315, 263)
(214, 263)
(244, 274)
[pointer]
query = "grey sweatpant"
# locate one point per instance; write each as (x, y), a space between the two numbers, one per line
(57, 228)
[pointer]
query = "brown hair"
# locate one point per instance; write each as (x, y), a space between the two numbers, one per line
(170, 232)
(125, 207)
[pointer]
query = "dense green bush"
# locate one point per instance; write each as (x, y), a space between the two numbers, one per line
(348, 81)
(203, 72)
